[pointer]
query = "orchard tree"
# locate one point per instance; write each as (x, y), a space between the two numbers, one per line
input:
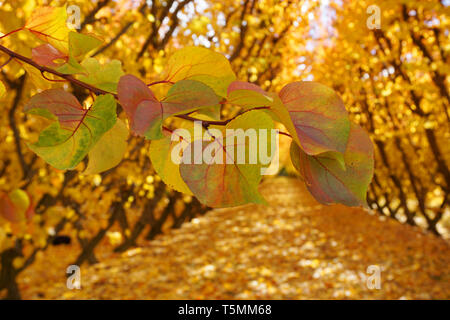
(395, 78)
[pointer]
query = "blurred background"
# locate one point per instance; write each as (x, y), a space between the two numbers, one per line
(388, 60)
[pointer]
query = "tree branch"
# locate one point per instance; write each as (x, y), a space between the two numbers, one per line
(56, 73)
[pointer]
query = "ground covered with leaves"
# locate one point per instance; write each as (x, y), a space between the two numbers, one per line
(292, 249)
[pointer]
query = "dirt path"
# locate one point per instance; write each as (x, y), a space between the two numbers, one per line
(292, 249)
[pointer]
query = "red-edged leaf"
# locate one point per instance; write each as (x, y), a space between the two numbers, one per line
(16, 206)
(7, 209)
(131, 92)
(46, 55)
(229, 178)
(64, 143)
(201, 64)
(247, 95)
(50, 25)
(318, 115)
(329, 183)
(147, 114)
(57, 103)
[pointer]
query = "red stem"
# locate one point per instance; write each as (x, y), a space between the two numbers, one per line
(7, 61)
(158, 82)
(207, 123)
(10, 33)
(285, 134)
(56, 73)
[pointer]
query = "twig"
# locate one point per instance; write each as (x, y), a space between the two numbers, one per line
(42, 69)
(207, 123)
(7, 61)
(91, 16)
(56, 73)
(158, 82)
(12, 123)
(120, 34)
(11, 32)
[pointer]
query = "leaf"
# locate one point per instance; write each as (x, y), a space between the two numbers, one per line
(247, 95)
(318, 115)
(64, 143)
(161, 153)
(227, 184)
(131, 92)
(46, 55)
(2, 89)
(16, 206)
(210, 113)
(49, 25)
(183, 97)
(36, 77)
(161, 157)
(109, 150)
(7, 208)
(329, 183)
(201, 64)
(79, 45)
(147, 114)
(295, 157)
(105, 77)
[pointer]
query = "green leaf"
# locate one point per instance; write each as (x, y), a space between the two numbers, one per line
(208, 113)
(109, 150)
(79, 45)
(105, 77)
(64, 143)
(295, 157)
(231, 182)
(329, 183)
(201, 64)
(147, 114)
(247, 95)
(72, 66)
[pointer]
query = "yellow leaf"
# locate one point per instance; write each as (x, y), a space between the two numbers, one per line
(109, 150)
(36, 77)
(2, 89)
(49, 25)
(201, 64)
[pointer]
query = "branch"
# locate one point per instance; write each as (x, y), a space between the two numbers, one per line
(243, 29)
(7, 61)
(43, 69)
(96, 90)
(91, 16)
(207, 123)
(121, 32)
(12, 123)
